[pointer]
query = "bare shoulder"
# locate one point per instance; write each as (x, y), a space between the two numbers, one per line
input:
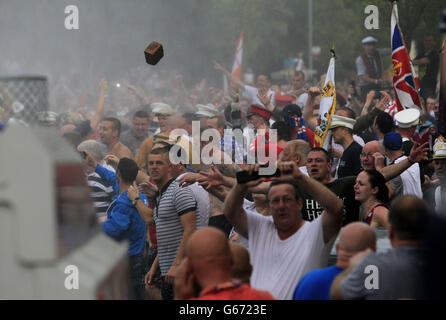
(381, 210)
(124, 152)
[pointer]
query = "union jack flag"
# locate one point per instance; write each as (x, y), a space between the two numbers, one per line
(405, 82)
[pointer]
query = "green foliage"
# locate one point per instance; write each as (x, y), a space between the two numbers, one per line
(276, 29)
(113, 33)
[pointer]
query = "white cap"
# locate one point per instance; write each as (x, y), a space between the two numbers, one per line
(369, 39)
(339, 121)
(407, 118)
(161, 108)
(439, 150)
(208, 111)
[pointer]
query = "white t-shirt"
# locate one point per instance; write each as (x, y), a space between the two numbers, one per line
(247, 206)
(411, 179)
(278, 265)
(203, 202)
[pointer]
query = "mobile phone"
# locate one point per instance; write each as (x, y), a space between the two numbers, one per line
(244, 176)
(378, 95)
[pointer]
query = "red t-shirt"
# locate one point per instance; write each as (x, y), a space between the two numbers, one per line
(233, 290)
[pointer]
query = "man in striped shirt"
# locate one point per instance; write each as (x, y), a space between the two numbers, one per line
(175, 218)
(101, 191)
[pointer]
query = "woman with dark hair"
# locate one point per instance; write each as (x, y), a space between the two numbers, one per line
(371, 191)
(283, 133)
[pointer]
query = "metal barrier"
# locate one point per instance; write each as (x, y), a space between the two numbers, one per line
(26, 96)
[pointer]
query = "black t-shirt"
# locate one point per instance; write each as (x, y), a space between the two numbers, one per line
(407, 146)
(350, 163)
(343, 188)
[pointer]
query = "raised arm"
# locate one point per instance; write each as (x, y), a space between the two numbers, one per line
(144, 211)
(310, 120)
(138, 93)
(99, 106)
(417, 154)
(233, 206)
(238, 82)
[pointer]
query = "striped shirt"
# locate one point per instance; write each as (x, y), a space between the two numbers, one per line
(172, 202)
(101, 192)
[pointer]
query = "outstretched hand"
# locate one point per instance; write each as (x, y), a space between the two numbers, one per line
(314, 92)
(379, 160)
(133, 192)
(289, 171)
(188, 179)
(149, 189)
(104, 85)
(418, 152)
(211, 179)
(91, 161)
(112, 160)
(218, 66)
(264, 97)
(251, 169)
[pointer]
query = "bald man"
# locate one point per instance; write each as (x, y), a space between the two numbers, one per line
(368, 153)
(353, 238)
(241, 268)
(398, 273)
(207, 267)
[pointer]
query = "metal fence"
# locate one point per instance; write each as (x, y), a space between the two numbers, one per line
(25, 95)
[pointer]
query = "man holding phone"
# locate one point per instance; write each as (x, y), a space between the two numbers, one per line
(283, 246)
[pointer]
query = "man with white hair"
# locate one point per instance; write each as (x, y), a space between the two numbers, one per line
(101, 191)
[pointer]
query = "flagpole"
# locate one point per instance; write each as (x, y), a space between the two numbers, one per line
(310, 40)
(442, 93)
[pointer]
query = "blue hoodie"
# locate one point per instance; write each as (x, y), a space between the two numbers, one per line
(123, 220)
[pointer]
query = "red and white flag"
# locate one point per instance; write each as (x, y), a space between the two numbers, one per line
(405, 81)
(237, 66)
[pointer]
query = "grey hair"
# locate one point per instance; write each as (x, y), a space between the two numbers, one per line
(93, 147)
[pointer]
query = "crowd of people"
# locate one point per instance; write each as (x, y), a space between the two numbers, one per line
(198, 230)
